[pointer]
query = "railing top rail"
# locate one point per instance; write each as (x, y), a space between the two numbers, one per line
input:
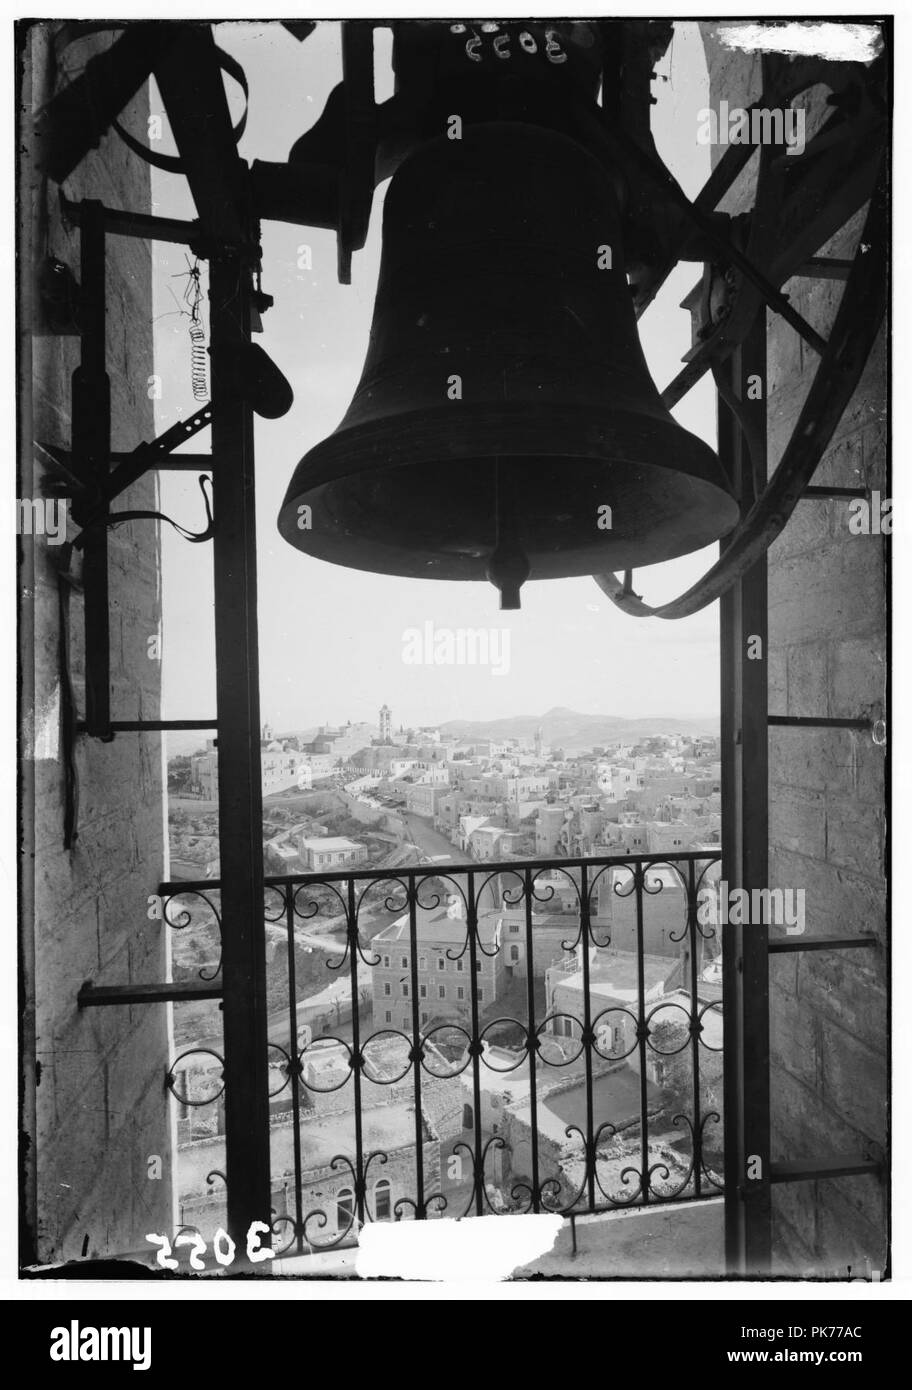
(486, 866)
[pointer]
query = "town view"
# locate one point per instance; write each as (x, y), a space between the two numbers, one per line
(382, 798)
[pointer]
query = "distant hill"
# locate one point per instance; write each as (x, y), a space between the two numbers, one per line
(562, 728)
(566, 728)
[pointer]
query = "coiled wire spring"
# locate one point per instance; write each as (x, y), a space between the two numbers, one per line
(193, 298)
(199, 379)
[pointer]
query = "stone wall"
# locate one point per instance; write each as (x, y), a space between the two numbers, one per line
(827, 657)
(95, 1108)
(321, 1190)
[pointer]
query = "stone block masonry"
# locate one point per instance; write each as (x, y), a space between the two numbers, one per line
(827, 658)
(95, 1113)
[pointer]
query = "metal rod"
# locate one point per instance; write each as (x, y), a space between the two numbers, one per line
(692, 940)
(794, 721)
(642, 1032)
(61, 457)
(532, 1050)
(784, 945)
(91, 995)
(151, 726)
(585, 934)
(358, 1067)
(504, 867)
(745, 835)
(240, 778)
(192, 463)
(295, 1071)
(190, 82)
(420, 1205)
(477, 1162)
(121, 222)
(812, 1169)
(814, 491)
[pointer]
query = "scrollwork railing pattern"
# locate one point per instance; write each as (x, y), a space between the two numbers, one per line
(590, 1081)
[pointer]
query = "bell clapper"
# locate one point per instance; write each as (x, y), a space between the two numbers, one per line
(508, 567)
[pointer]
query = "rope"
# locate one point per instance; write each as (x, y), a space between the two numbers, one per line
(118, 518)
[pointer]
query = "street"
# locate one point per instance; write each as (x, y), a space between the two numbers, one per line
(431, 843)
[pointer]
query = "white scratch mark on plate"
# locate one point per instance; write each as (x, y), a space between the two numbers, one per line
(41, 729)
(479, 1249)
(849, 43)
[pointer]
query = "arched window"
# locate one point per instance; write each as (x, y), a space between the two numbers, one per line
(514, 954)
(382, 1201)
(345, 1208)
(468, 1117)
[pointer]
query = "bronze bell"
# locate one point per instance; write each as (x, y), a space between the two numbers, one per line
(505, 425)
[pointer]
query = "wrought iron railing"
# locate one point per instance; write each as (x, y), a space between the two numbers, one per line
(471, 1053)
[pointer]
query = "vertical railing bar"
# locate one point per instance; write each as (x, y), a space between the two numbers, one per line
(533, 1043)
(475, 1047)
(416, 1044)
(357, 1059)
(694, 1026)
(639, 880)
(420, 1209)
(295, 1073)
(587, 1034)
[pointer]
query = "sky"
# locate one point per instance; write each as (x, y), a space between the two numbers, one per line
(331, 639)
